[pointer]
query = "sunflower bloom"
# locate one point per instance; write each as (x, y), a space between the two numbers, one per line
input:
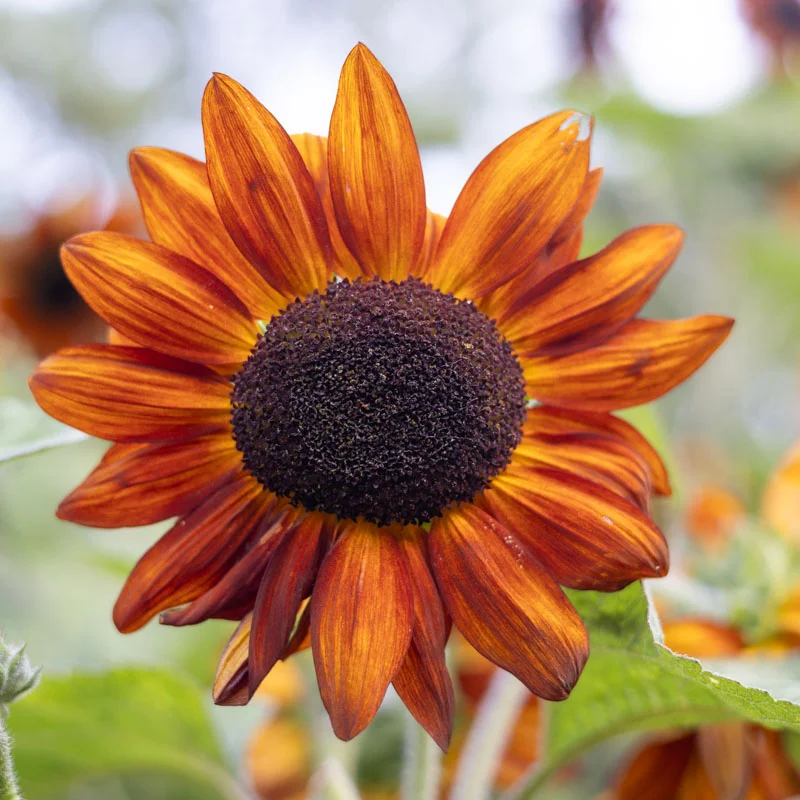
(36, 298)
(329, 386)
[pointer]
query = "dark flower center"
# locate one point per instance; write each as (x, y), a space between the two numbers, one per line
(49, 290)
(379, 400)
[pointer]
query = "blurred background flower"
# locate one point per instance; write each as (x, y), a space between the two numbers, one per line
(697, 107)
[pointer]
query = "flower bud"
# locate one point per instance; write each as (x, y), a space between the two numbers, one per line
(17, 676)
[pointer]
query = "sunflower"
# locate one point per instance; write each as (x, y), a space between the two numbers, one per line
(36, 298)
(330, 387)
(713, 762)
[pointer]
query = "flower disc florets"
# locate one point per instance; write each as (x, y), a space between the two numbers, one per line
(379, 400)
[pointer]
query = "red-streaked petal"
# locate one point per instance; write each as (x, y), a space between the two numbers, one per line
(191, 557)
(130, 394)
(361, 622)
(585, 535)
(139, 484)
(423, 681)
(574, 221)
(562, 249)
(180, 214)
(287, 581)
(230, 682)
(234, 593)
(657, 771)
(375, 170)
(314, 150)
(159, 299)
(265, 195)
(549, 420)
(508, 608)
(433, 233)
(596, 457)
(512, 205)
(589, 300)
(640, 363)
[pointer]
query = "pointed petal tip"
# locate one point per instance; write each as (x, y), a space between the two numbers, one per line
(579, 124)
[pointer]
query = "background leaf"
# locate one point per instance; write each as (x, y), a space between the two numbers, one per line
(633, 683)
(77, 730)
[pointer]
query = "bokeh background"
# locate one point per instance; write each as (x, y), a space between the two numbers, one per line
(697, 106)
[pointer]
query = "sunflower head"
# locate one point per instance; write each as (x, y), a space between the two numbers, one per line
(330, 387)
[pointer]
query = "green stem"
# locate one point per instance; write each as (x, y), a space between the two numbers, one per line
(488, 736)
(9, 788)
(422, 764)
(332, 782)
(51, 443)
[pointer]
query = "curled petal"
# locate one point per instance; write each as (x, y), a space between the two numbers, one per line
(512, 204)
(191, 557)
(287, 581)
(265, 194)
(590, 300)
(423, 681)
(585, 535)
(130, 394)
(159, 299)
(508, 608)
(375, 170)
(180, 214)
(549, 420)
(139, 484)
(234, 593)
(361, 622)
(230, 682)
(640, 363)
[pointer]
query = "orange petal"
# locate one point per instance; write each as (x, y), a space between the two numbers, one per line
(700, 638)
(423, 681)
(562, 249)
(189, 559)
(640, 363)
(139, 484)
(574, 221)
(159, 299)
(589, 300)
(234, 593)
(595, 457)
(434, 226)
(780, 506)
(712, 516)
(656, 772)
(512, 205)
(724, 751)
(505, 604)
(314, 150)
(265, 194)
(375, 170)
(130, 394)
(543, 420)
(180, 214)
(361, 622)
(585, 536)
(230, 682)
(287, 581)
(301, 636)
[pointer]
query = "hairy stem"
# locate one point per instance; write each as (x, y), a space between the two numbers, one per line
(9, 788)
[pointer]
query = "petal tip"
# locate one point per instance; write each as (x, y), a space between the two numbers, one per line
(583, 122)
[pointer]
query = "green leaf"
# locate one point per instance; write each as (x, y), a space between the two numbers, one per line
(633, 683)
(122, 722)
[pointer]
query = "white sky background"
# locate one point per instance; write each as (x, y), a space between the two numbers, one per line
(491, 60)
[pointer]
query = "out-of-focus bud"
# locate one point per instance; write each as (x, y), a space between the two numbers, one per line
(777, 24)
(17, 675)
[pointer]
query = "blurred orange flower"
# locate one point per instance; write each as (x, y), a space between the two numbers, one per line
(714, 762)
(369, 442)
(713, 514)
(780, 505)
(36, 297)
